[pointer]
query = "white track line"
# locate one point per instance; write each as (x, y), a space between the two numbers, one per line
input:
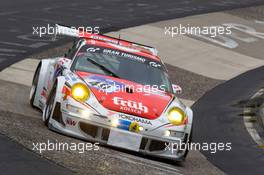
(191, 54)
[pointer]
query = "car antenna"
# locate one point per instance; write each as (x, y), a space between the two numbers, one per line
(119, 36)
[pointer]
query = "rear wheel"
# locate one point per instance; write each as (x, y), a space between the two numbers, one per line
(34, 86)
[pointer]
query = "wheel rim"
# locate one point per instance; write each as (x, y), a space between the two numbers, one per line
(34, 85)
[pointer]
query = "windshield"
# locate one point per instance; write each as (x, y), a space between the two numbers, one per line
(122, 65)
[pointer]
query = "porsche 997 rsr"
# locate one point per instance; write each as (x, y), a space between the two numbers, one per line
(102, 91)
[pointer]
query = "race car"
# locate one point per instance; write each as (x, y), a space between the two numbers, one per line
(114, 92)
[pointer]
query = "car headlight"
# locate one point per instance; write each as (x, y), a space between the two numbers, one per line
(176, 116)
(80, 92)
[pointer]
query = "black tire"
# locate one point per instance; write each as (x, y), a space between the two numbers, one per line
(49, 106)
(188, 142)
(34, 86)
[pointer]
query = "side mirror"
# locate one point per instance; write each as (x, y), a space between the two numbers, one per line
(176, 89)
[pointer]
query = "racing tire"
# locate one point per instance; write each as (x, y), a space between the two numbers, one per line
(33, 89)
(49, 105)
(188, 142)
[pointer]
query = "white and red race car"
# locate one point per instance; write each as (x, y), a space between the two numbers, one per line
(114, 92)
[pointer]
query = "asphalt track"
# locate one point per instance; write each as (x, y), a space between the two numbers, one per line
(17, 41)
(218, 119)
(19, 17)
(15, 158)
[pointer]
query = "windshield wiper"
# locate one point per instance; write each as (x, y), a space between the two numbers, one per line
(103, 67)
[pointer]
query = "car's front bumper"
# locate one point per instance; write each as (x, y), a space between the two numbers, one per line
(98, 132)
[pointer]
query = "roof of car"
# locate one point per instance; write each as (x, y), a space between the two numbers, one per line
(108, 41)
(133, 50)
(120, 44)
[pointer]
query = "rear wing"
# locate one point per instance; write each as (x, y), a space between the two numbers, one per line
(67, 31)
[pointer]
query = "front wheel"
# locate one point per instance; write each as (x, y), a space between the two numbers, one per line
(188, 143)
(49, 106)
(34, 86)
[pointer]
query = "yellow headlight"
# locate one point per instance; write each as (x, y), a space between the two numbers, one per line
(80, 92)
(176, 116)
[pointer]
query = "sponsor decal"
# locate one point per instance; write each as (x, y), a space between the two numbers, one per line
(44, 93)
(136, 119)
(124, 54)
(105, 85)
(71, 122)
(154, 64)
(130, 105)
(134, 127)
(131, 126)
(125, 48)
(104, 39)
(66, 92)
(92, 49)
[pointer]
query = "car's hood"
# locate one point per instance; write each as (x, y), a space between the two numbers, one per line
(126, 96)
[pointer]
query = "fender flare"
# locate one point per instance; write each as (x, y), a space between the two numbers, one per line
(44, 64)
(59, 83)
